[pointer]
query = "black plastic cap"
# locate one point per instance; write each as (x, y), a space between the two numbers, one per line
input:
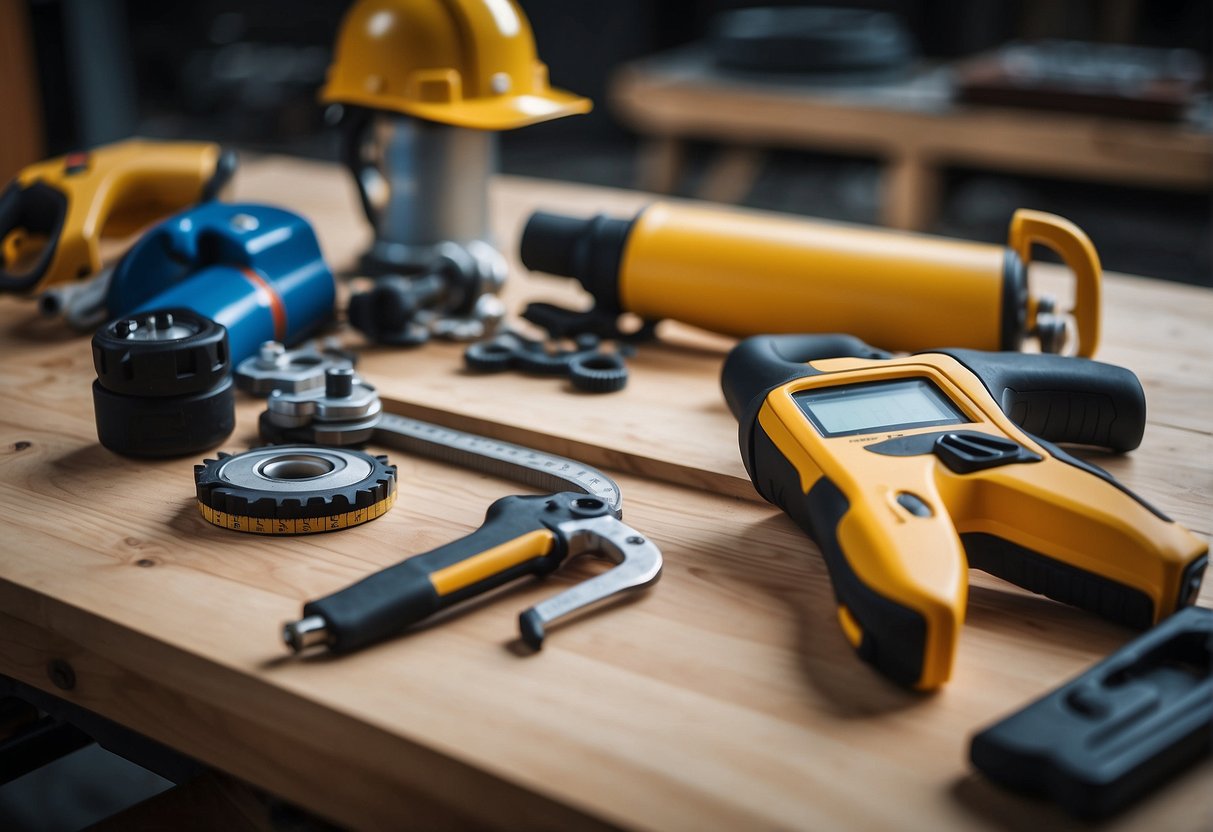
(189, 354)
(589, 250)
(530, 625)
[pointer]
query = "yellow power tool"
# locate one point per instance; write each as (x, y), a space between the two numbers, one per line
(54, 213)
(906, 471)
(745, 273)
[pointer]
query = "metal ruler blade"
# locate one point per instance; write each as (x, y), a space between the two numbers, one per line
(542, 470)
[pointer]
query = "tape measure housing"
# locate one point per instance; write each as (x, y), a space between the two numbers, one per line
(294, 489)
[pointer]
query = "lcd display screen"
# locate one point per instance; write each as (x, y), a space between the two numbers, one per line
(881, 406)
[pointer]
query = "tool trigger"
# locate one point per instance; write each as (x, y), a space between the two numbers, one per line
(637, 565)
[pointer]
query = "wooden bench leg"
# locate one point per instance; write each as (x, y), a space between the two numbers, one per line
(911, 193)
(731, 175)
(660, 165)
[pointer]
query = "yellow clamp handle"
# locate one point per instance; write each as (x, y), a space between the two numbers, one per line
(1077, 251)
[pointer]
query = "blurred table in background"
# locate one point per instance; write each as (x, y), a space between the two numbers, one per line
(913, 126)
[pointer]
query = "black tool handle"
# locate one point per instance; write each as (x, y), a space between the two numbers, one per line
(40, 209)
(1122, 728)
(515, 540)
(1063, 399)
(759, 364)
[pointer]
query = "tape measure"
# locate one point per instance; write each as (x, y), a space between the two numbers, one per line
(294, 489)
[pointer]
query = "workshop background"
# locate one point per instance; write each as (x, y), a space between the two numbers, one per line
(77, 73)
(90, 71)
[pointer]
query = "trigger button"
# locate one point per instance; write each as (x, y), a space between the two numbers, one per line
(965, 452)
(914, 504)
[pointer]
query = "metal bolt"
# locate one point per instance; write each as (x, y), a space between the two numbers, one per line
(635, 540)
(162, 320)
(61, 674)
(271, 352)
(125, 327)
(339, 383)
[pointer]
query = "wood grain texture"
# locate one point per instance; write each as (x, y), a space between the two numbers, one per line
(725, 698)
(671, 422)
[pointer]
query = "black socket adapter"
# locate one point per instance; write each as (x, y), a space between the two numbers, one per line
(164, 384)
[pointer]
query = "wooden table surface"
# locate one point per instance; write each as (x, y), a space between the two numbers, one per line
(725, 698)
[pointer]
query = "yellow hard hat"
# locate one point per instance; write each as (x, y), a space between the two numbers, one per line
(468, 63)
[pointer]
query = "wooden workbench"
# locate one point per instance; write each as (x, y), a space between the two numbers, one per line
(725, 698)
(913, 126)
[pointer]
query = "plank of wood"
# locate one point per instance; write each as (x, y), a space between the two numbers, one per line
(1158, 330)
(725, 698)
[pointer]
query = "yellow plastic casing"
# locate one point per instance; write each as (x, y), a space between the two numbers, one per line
(113, 191)
(467, 63)
(1050, 507)
(747, 272)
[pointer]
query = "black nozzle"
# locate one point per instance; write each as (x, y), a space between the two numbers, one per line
(590, 250)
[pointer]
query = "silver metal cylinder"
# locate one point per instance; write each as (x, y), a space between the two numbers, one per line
(433, 187)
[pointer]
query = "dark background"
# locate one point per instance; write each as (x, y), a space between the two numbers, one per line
(247, 74)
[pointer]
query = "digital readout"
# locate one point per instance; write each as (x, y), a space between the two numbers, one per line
(886, 405)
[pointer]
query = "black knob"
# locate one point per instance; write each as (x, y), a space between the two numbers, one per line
(167, 352)
(164, 385)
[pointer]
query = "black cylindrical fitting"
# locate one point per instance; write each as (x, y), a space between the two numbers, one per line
(590, 250)
(164, 385)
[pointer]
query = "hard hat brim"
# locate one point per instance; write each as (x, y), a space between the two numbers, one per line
(505, 112)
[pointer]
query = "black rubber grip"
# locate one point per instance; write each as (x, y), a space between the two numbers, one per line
(759, 364)
(40, 209)
(1063, 399)
(1105, 738)
(1060, 581)
(894, 636)
(387, 602)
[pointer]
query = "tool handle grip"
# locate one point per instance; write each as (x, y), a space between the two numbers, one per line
(1030, 227)
(40, 209)
(758, 364)
(1063, 399)
(512, 542)
(886, 632)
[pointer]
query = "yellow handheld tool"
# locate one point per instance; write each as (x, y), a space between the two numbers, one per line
(745, 273)
(906, 471)
(54, 213)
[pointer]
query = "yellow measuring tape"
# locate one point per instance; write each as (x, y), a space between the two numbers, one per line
(297, 525)
(299, 489)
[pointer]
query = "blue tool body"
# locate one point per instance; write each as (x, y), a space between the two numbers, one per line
(256, 269)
